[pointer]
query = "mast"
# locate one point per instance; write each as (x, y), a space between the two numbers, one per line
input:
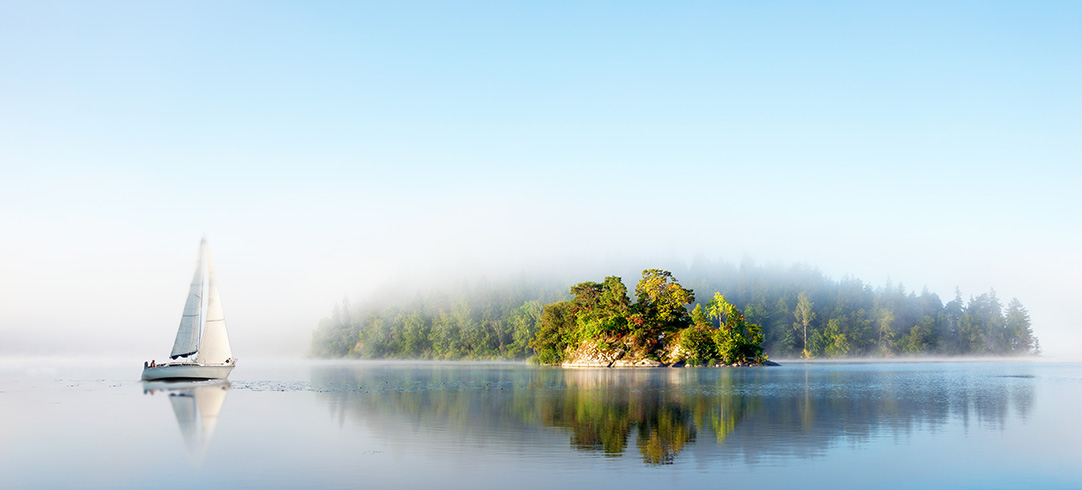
(187, 341)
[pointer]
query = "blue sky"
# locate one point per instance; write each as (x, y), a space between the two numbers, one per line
(326, 148)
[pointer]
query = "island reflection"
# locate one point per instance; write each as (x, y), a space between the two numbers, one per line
(716, 413)
(196, 406)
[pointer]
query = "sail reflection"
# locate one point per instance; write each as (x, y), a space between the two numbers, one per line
(196, 406)
(663, 413)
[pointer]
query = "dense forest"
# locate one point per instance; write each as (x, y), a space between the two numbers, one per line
(801, 312)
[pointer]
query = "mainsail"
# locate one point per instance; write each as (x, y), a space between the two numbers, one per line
(202, 329)
(187, 342)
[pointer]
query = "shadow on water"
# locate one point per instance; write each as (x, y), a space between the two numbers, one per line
(196, 405)
(748, 414)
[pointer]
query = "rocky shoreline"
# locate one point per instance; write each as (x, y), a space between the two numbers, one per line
(650, 363)
(587, 355)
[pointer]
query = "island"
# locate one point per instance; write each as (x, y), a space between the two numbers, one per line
(789, 312)
(600, 327)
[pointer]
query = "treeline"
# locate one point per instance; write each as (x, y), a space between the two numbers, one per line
(801, 313)
(849, 318)
(476, 321)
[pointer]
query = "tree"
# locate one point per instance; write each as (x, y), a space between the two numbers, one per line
(736, 340)
(886, 332)
(837, 342)
(917, 340)
(660, 307)
(601, 310)
(416, 334)
(698, 318)
(717, 308)
(1019, 330)
(524, 326)
(697, 341)
(804, 316)
(556, 327)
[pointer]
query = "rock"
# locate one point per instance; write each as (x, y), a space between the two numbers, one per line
(587, 355)
(637, 363)
(585, 362)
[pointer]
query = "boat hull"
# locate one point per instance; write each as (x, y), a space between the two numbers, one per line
(187, 371)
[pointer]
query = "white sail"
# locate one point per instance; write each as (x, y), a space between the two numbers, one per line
(187, 342)
(215, 344)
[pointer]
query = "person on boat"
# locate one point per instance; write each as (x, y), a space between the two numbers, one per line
(145, 365)
(152, 363)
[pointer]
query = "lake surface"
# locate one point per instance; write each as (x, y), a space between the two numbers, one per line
(450, 425)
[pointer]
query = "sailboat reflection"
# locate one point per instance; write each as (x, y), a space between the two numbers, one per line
(196, 405)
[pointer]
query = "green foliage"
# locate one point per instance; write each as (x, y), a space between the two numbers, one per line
(600, 310)
(661, 305)
(734, 340)
(737, 339)
(331, 339)
(602, 313)
(485, 321)
(516, 320)
(804, 316)
(918, 339)
(549, 355)
(1019, 330)
(886, 331)
(699, 344)
(837, 343)
(697, 316)
(555, 332)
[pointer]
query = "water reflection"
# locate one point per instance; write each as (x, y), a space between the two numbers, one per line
(662, 413)
(196, 406)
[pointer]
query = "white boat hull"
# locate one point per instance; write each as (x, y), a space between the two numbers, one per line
(187, 371)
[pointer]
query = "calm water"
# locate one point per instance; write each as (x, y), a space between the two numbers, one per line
(416, 425)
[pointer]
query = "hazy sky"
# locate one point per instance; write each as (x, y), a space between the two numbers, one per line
(332, 148)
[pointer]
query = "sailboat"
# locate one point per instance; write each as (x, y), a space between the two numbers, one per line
(201, 349)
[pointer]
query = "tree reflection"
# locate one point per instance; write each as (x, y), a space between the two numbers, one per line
(601, 408)
(664, 432)
(798, 411)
